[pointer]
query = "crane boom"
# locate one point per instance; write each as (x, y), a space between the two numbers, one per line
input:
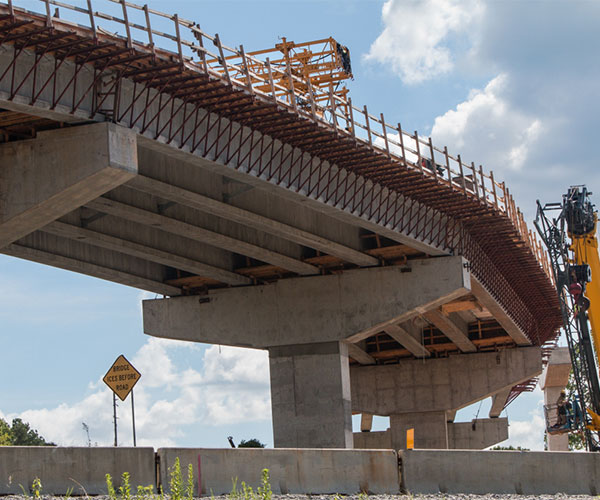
(570, 238)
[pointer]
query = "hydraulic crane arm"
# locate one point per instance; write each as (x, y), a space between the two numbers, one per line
(570, 238)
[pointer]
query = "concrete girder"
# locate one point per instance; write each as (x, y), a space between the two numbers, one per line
(400, 334)
(75, 265)
(247, 218)
(453, 327)
(487, 300)
(310, 310)
(439, 385)
(45, 178)
(553, 381)
(498, 403)
(106, 241)
(171, 225)
(360, 355)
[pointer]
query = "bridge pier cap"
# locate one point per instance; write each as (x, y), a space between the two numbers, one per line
(307, 325)
(349, 306)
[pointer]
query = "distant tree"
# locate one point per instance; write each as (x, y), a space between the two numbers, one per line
(518, 448)
(251, 443)
(5, 434)
(23, 435)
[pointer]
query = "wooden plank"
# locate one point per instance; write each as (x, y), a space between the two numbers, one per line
(366, 422)
(461, 305)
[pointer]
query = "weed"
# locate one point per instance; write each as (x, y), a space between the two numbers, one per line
(176, 482)
(235, 494)
(363, 496)
(25, 492)
(247, 492)
(69, 493)
(125, 488)
(145, 492)
(189, 491)
(36, 488)
(264, 490)
(110, 488)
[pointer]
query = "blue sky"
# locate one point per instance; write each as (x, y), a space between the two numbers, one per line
(510, 85)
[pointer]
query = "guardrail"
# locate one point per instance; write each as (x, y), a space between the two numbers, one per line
(197, 50)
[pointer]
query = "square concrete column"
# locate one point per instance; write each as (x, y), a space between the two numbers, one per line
(554, 379)
(310, 396)
(431, 430)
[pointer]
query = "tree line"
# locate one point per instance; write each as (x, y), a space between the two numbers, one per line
(19, 433)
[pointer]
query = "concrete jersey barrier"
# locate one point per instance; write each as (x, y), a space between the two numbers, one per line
(82, 469)
(307, 471)
(482, 472)
(317, 471)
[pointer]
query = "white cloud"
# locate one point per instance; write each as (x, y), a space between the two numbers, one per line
(416, 35)
(488, 128)
(230, 387)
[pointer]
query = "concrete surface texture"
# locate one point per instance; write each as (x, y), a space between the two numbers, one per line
(422, 394)
(80, 469)
(500, 472)
(45, 178)
(310, 310)
(310, 396)
(475, 435)
(554, 379)
(303, 322)
(291, 470)
(440, 384)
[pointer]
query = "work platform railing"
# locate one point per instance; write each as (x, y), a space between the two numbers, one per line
(195, 49)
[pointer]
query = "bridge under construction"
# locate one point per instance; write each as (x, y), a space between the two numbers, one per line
(384, 275)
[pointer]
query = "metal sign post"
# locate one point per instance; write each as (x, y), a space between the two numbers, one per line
(121, 377)
(115, 415)
(133, 418)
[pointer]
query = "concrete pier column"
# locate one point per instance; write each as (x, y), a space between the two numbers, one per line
(430, 428)
(553, 380)
(310, 395)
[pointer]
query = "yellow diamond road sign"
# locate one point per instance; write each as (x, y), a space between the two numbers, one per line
(121, 377)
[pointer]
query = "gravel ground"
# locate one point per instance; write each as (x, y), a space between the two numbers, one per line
(444, 496)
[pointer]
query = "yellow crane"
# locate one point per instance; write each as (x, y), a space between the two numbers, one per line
(570, 237)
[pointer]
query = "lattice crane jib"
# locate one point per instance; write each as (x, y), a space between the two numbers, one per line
(568, 230)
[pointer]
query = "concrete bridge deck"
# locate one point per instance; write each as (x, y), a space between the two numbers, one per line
(184, 173)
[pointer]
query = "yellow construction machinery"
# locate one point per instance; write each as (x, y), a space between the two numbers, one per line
(569, 231)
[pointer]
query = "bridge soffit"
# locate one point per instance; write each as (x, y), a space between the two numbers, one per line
(245, 153)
